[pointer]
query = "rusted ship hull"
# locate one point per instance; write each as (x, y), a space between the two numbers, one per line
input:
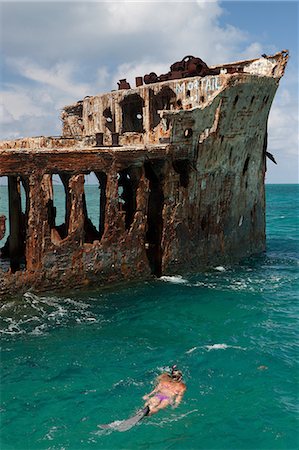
(192, 183)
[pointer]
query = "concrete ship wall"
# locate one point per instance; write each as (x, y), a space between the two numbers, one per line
(180, 167)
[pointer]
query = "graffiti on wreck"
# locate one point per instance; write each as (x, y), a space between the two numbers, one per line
(193, 89)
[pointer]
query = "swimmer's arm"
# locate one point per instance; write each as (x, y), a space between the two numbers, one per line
(145, 397)
(178, 399)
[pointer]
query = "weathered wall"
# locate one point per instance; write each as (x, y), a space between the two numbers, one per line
(221, 213)
(89, 116)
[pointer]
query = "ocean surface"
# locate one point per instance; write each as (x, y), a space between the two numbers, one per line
(72, 362)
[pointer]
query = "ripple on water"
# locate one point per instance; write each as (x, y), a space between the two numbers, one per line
(37, 315)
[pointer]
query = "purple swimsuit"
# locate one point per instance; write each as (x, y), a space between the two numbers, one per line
(162, 397)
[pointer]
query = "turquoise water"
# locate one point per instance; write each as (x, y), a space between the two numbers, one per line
(72, 362)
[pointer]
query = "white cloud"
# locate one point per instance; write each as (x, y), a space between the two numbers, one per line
(283, 138)
(5, 116)
(48, 91)
(252, 51)
(102, 82)
(59, 76)
(58, 52)
(20, 102)
(283, 126)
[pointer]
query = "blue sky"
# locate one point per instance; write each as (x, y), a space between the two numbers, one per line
(54, 53)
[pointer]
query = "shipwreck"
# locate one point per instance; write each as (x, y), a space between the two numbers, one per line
(180, 164)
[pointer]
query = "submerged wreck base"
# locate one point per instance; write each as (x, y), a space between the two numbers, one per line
(180, 167)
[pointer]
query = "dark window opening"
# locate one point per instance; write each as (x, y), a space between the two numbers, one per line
(154, 173)
(236, 100)
(162, 101)
(59, 205)
(132, 113)
(202, 99)
(14, 221)
(245, 167)
(110, 122)
(128, 182)
(179, 103)
(188, 93)
(182, 167)
(188, 132)
(94, 206)
(75, 110)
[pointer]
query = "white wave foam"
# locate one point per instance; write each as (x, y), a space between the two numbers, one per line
(222, 347)
(176, 279)
(215, 347)
(31, 296)
(39, 330)
(47, 311)
(173, 418)
(60, 312)
(50, 434)
(208, 285)
(191, 350)
(247, 284)
(78, 304)
(36, 315)
(13, 327)
(7, 305)
(220, 269)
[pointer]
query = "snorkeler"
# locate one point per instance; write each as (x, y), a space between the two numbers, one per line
(169, 391)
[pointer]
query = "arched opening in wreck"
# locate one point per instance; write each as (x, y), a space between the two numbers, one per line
(14, 222)
(154, 172)
(128, 181)
(110, 122)
(94, 206)
(132, 113)
(163, 100)
(56, 188)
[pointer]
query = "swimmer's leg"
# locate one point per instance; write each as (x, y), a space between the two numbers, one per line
(152, 403)
(155, 408)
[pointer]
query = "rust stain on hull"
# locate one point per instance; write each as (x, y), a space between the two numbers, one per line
(180, 166)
